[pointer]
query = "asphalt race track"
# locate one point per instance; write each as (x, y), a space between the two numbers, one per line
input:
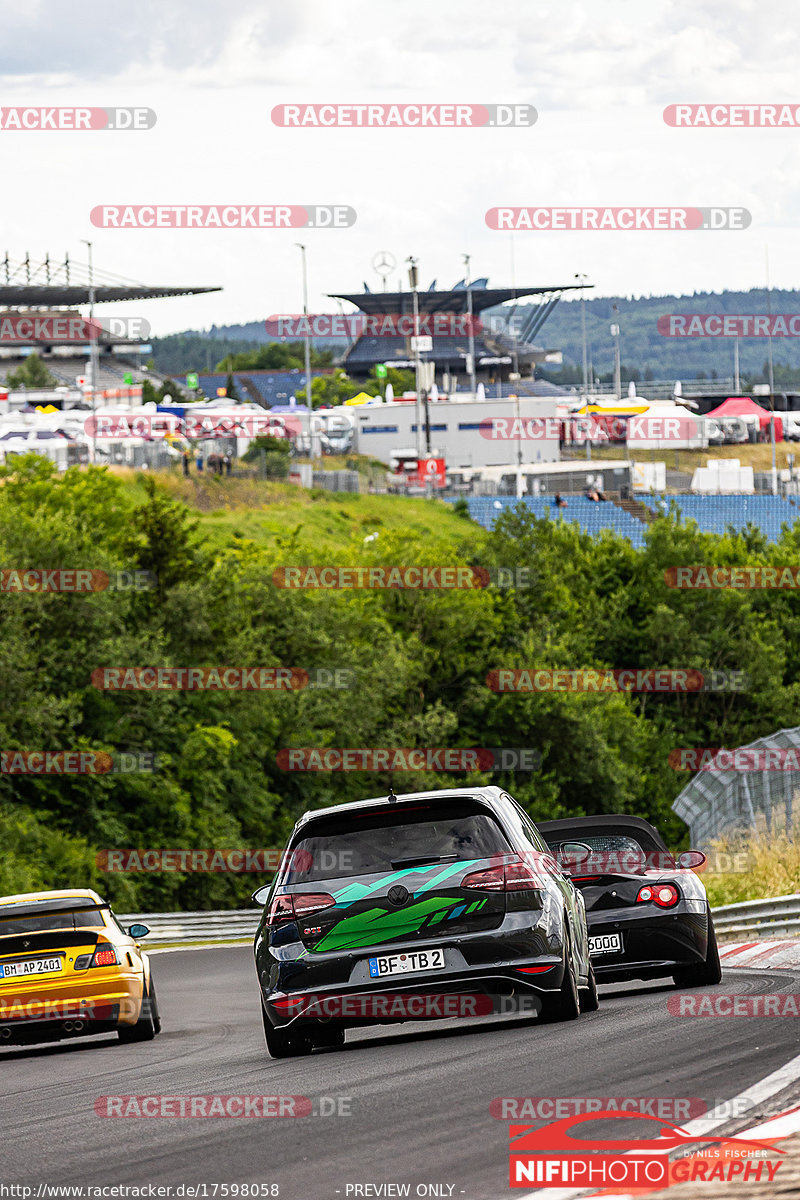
(419, 1094)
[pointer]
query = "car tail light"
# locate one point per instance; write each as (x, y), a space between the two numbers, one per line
(665, 895)
(536, 970)
(491, 880)
(513, 876)
(306, 903)
(301, 904)
(104, 956)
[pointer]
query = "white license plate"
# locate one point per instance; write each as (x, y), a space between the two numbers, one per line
(32, 966)
(605, 943)
(401, 964)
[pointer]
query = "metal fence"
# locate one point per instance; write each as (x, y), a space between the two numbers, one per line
(720, 803)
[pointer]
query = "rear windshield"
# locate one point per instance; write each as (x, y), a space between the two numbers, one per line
(615, 843)
(336, 847)
(76, 919)
(624, 849)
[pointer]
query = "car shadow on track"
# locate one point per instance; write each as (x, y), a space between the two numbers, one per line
(99, 1041)
(401, 1033)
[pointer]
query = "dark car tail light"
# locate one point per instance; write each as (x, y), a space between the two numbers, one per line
(665, 895)
(301, 904)
(104, 956)
(513, 876)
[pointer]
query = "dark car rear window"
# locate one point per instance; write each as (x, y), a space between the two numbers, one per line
(46, 922)
(367, 843)
(624, 847)
(614, 843)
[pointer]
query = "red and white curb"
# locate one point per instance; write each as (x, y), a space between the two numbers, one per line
(761, 954)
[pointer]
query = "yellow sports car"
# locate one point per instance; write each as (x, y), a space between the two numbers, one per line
(68, 968)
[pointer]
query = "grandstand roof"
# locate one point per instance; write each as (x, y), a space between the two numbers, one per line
(453, 300)
(34, 295)
(28, 283)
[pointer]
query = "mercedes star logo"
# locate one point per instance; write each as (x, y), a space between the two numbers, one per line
(383, 262)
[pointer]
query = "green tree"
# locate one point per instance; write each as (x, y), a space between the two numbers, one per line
(275, 356)
(231, 390)
(32, 374)
(272, 453)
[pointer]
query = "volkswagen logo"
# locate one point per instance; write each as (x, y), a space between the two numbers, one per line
(398, 895)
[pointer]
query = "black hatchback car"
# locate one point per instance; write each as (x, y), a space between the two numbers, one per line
(648, 912)
(416, 906)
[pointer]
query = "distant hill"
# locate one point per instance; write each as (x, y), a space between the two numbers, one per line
(641, 345)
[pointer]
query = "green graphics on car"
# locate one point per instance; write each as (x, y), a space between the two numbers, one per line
(370, 926)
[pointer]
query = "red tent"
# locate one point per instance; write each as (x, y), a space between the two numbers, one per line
(743, 406)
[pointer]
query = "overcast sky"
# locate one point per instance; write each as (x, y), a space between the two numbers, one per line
(599, 74)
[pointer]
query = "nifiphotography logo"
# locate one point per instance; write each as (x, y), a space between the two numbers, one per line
(554, 1157)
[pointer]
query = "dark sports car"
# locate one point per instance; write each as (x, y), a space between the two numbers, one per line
(395, 908)
(647, 911)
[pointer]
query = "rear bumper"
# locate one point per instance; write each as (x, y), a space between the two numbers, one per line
(80, 1005)
(499, 990)
(654, 944)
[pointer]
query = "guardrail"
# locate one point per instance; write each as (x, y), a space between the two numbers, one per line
(778, 916)
(225, 926)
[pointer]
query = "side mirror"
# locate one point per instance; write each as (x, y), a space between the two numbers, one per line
(691, 860)
(138, 931)
(260, 897)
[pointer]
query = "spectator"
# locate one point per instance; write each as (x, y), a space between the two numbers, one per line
(228, 463)
(558, 502)
(199, 462)
(185, 462)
